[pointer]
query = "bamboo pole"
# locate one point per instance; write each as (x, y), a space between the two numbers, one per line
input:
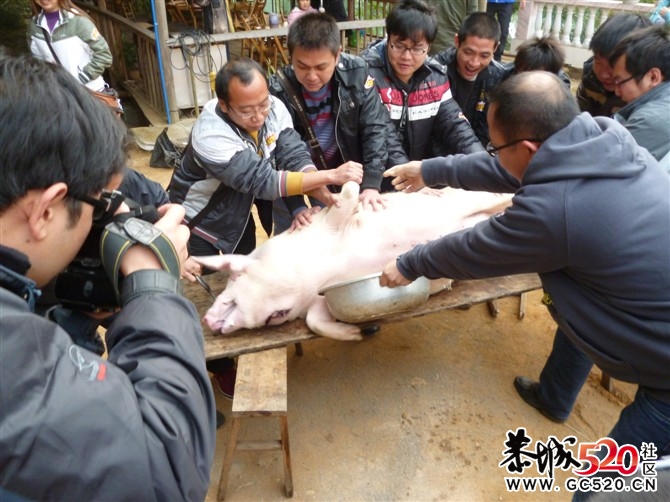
(164, 54)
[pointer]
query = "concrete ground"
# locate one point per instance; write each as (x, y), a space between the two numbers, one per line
(419, 411)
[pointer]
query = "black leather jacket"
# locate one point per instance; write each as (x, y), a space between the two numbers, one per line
(361, 121)
(428, 120)
(477, 106)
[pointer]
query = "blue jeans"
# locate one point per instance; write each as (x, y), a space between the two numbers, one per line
(563, 376)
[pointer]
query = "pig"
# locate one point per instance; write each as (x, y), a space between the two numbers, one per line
(280, 280)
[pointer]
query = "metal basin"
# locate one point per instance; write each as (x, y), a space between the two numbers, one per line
(363, 299)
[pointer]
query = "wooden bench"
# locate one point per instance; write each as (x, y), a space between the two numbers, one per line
(462, 294)
(260, 391)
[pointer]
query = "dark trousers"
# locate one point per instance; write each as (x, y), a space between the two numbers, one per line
(645, 420)
(503, 12)
(333, 7)
(563, 376)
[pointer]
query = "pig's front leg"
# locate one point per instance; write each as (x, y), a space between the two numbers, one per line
(321, 321)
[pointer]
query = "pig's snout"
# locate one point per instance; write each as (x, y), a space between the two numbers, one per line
(221, 316)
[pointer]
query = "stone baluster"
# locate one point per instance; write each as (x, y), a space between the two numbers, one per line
(547, 20)
(590, 27)
(568, 25)
(538, 20)
(556, 28)
(577, 38)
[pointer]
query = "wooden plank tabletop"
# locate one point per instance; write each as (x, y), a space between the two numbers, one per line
(463, 293)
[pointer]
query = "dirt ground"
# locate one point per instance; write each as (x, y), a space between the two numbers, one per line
(419, 411)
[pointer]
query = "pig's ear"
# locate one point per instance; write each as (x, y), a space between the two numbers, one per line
(234, 262)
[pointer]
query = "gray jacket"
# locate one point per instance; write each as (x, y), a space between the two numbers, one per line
(221, 157)
(592, 217)
(648, 120)
(137, 426)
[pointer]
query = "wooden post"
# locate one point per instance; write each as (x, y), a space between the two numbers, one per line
(161, 38)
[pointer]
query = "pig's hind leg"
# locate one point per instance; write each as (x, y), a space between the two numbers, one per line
(321, 321)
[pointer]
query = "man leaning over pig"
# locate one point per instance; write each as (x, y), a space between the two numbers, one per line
(590, 215)
(342, 107)
(243, 151)
(229, 163)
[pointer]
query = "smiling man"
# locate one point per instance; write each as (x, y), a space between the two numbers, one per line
(472, 70)
(415, 88)
(595, 93)
(603, 263)
(341, 107)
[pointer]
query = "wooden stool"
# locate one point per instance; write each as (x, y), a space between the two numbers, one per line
(260, 391)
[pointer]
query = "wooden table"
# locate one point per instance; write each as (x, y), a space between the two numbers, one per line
(462, 294)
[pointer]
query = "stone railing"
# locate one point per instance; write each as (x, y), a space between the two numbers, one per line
(573, 22)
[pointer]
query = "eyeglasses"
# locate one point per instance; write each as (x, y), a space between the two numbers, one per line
(493, 150)
(109, 201)
(246, 115)
(619, 83)
(414, 51)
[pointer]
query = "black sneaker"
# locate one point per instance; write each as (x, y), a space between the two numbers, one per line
(527, 389)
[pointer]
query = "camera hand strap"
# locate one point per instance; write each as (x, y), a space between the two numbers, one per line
(121, 234)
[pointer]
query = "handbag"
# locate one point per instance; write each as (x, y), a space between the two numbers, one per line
(165, 154)
(108, 95)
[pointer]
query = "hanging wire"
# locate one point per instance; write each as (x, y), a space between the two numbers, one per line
(192, 50)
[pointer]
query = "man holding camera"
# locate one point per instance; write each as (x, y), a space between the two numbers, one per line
(139, 425)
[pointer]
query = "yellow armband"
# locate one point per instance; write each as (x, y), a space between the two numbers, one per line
(294, 183)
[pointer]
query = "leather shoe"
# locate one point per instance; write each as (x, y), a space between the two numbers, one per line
(528, 390)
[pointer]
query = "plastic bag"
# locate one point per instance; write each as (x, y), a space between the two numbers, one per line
(165, 154)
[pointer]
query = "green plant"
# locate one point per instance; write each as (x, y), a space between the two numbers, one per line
(129, 51)
(14, 16)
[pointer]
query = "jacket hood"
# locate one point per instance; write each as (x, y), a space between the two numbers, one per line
(650, 96)
(588, 147)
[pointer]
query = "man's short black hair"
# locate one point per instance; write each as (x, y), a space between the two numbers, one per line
(613, 30)
(412, 19)
(314, 31)
(53, 130)
(479, 24)
(645, 49)
(244, 69)
(537, 53)
(532, 104)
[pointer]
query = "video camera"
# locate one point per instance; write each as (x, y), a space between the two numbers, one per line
(84, 284)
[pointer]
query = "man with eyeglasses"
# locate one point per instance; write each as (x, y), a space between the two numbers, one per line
(641, 67)
(590, 216)
(341, 108)
(472, 70)
(140, 424)
(595, 93)
(242, 150)
(415, 88)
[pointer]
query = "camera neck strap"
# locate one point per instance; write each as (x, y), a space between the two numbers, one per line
(121, 234)
(299, 107)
